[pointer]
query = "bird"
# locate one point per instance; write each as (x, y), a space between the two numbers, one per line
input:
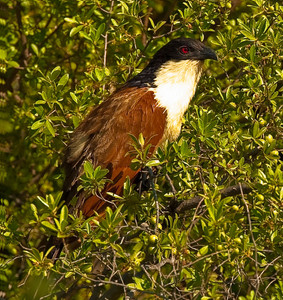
(152, 103)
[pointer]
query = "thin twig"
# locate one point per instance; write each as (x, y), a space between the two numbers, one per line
(171, 184)
(269, 264)
(145, 25)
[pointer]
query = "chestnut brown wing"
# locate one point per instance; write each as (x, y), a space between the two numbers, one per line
(104, 139)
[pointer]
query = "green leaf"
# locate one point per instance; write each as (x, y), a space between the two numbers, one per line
(50, 127)
(125, 6)
(63, 80)
(119, 250)
(43, 201)
(211, 209)
(3, 54)
(76, 121)
(99, 74)
(49, 225)
(37, 124)
(255, 129)
(261, 132)
(248, 34)
(211, 143)
(139, 283)
(88, 168)
(263, 26)
(75, 30)
(48, 251)
(151, 22)
(35, 254)
(141, 139)
(13, 64)
(39, 102)
(153, 163)
(252, 53)
(100, 173)
(114, 237)
(204, 250)
(33, 208)
(229, 93)
(69, 274)
(99, 31)
(70, 20)
(55, 73)
(114, 22)
(64, 214)
(74, 97)
(57, 118)
(44, 96)
(35, 49)
(58, 224)
(159, 25)
(117, 212)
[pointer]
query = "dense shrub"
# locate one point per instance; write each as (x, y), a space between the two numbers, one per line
(191, 238)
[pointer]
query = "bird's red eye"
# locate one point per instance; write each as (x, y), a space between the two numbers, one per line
(184, 50)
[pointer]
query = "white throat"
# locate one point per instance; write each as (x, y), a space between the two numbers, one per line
(176, 84)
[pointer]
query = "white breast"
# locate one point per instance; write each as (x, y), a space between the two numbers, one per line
(176, 84)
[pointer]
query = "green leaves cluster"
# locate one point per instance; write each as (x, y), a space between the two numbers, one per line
(93, 181)
(57, 60)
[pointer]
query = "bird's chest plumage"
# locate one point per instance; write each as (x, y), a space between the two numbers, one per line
(175, 86)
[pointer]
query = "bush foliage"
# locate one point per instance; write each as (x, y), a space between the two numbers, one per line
(187, 238)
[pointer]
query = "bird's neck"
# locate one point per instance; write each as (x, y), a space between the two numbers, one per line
(174, 86)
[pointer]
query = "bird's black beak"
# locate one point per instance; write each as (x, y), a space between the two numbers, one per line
(207, 53)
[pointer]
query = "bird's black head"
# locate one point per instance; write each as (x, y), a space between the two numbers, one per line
(176, 50)
(184, 49)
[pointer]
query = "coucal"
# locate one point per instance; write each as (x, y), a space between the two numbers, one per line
(152, 103)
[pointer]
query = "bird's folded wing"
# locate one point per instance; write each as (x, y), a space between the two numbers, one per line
(104, 139)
